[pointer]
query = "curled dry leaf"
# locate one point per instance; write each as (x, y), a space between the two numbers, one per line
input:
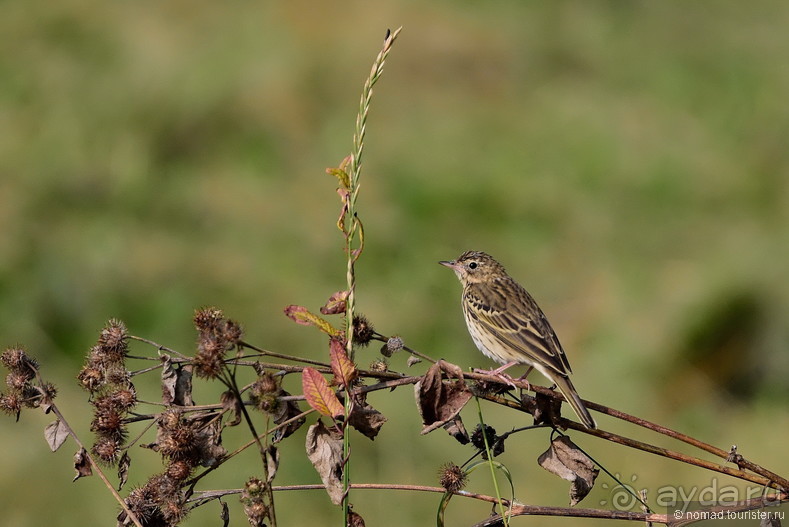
(439, 401)
(176, 383)
(343, 367)
(232, 404)
(123, 469)
(318, 394)
(284, 412)
(567, 461)
(546, 409)
(56, 434)
(82, 464)
(366, 420)
(324, 450)
(272, 463)
(336, 303)
(224, 514)
(208, 439)
(456, 429)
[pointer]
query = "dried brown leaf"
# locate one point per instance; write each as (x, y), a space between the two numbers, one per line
(176, 383)
(367, 420)
(564, 459)
(56, 434)
(208, 439)
(456, 429)
(546, 409)
(224, 514)
(82, 464)
(343, 367)
(439, 401)
(452, 370)
(272, 463)
(412, 359)
(324, 450)
(123, 469)
(319, 395)
(232, 404)
(285, 411)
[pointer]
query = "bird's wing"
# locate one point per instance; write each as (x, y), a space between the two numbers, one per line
(510, 313)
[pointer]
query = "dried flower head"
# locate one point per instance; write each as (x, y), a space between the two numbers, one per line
(90, 378)
(107, 450)
(112, 340)
(253, 499)
(379, 365)
(179, 470)
(452, 477)
(15, 359)
(209, 361)
(392, 345)
(232, 331)
(108, 422)
(363, 331)
(141, 502)
(208, 318)
(11, 403)
(264, 393)
(177, 439)
(495, 442)
(479, 441)
(124, 398)
(18, 380)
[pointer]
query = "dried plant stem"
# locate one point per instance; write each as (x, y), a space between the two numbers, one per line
(353, 230)
(516, 509)
(489, 455)
(95, 466)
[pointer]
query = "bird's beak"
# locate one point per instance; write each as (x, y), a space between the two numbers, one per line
(450, 264)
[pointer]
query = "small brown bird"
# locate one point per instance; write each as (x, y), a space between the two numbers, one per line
(509, 327)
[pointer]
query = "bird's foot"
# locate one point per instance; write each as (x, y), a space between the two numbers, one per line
(499, 374)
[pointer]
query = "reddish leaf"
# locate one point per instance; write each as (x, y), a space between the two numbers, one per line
(318, 394)
(341, 175)
(336, 303)
(343, 368)
(344, 196)
(300, 315)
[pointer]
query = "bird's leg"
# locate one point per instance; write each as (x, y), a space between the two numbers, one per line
(499, 373)
(523, 377)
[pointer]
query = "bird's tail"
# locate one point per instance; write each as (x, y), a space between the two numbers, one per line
(568, 390)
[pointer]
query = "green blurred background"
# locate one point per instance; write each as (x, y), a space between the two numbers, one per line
(627, 162)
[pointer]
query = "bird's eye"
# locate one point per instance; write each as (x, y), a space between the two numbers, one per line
(472, 265)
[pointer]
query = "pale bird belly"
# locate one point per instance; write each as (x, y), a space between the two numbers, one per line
(493, 349)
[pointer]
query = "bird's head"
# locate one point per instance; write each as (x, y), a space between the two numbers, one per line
(473, 267)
